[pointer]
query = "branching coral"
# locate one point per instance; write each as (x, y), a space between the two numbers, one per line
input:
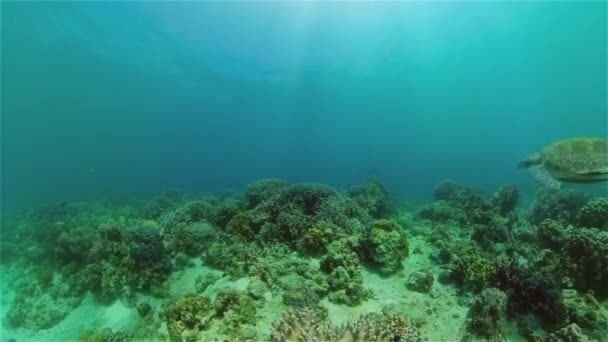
(571, 332)
(307, 325)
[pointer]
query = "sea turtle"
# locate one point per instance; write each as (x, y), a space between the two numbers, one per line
(576, 160)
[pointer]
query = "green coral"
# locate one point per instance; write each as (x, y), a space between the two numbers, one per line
(470, 267)
(263, 190)
(584, 311)
(187, 316)
(191, 239)
(237, 310)
(35, 308)
(191, 212)
(103, 335)
(267, 262)
(420, 281)
(441, 211)
(594, 214)
(345, 278)
(158, 206)
(586, 251)
(243, 225)
(530, 291)
(372, 197)
(560, 205)
(203, 281)
(505, 200)
(298, 293)
(385, 246)
(487, 315)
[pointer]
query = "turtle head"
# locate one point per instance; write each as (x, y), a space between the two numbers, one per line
(533, 159)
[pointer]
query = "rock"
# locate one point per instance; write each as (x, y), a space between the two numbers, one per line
(420, 281)
(144, 309)
(247, 333)
(445, 277)
(257, 289)
(435, 293)
(202, 282)
(464, 301)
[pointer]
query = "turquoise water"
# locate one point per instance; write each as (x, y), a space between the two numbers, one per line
(275, 171)
(141, 97)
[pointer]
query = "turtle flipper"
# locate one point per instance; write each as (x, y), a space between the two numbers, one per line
(597, 172)
(543, 177)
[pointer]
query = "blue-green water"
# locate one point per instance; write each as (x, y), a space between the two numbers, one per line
(140, 97)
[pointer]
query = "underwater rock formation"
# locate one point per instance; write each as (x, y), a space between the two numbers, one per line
(420, 281)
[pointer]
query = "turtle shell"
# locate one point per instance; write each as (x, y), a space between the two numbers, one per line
(581, 159)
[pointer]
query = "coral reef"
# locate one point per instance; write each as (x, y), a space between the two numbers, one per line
(238, 311)
(487, 314)
(560, 205)
(203, 281)
(594, 214)
(587, 258)
(470, 267)
(420, 281)
(307, 325)
(571, 332)
(104, 335)
(372, 197)
(529, 291)
(305, 246)
(452, 192)
(187, 316)
(505, 200)
(263, 190)
(345, 279)
(385, 246)
(442, 212)
(158, 206)
(36, 308)
(191, 239)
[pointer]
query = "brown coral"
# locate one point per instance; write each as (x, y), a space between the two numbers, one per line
(307, 325)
